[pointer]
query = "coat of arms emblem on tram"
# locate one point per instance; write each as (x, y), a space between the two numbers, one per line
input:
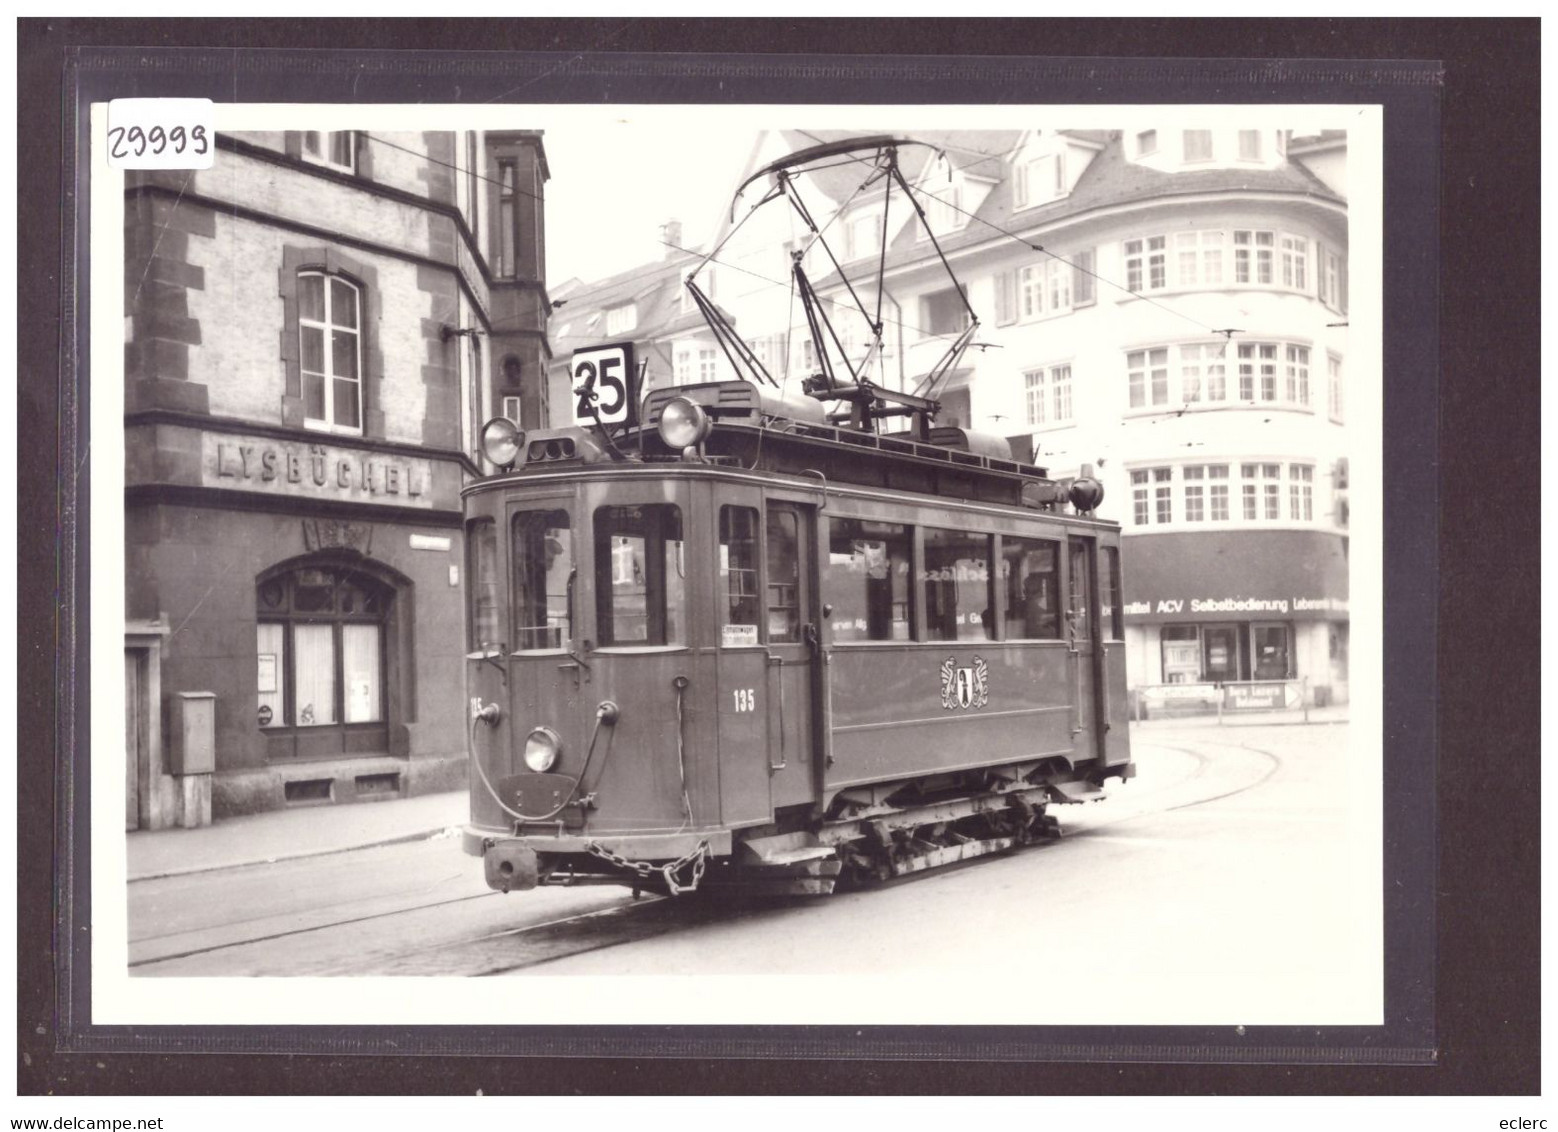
(967, 686)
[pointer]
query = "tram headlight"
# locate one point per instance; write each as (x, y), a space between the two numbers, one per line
(683, 423)
(501, 441)
(542, 746)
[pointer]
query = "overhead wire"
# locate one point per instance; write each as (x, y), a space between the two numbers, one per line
(517, 190)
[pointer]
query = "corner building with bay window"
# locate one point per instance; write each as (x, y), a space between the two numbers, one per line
(316, 327)
(1168, 304)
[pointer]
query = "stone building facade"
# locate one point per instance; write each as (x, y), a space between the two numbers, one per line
(315, 329)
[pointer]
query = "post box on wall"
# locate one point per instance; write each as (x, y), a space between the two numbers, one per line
(193, 733)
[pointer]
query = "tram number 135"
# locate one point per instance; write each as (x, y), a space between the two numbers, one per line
(746, 699)
(602, 379)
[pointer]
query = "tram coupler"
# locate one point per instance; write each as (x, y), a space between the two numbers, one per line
(510, 866)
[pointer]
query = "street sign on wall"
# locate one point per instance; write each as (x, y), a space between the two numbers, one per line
(605, 385)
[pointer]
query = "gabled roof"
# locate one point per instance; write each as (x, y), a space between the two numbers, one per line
(1109, 179)
(655, 288)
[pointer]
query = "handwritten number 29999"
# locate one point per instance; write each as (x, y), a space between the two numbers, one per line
(135, 140)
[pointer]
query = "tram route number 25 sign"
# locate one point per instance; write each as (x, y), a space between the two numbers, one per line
(605, 385)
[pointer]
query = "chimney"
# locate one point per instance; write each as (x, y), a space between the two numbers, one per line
(671, 235)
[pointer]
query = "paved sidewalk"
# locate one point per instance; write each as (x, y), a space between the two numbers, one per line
(281, 834)
(314, 830)
(1284, 718)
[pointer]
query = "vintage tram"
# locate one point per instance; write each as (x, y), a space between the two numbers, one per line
(745, 639)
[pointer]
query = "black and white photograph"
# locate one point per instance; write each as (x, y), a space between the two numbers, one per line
(739, 565)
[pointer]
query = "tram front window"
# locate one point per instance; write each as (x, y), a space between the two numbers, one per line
(543, 580)
(867, 580)
(640, 575)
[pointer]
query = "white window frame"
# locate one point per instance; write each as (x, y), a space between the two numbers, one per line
(1039, 180)
(1142, 255)
(1199, 135)
(856, 247)
(325, 141)
(1198, 257)
(944, 210)
(622, 319)
(1146, 143)
(1336, 394)
(1250, 140)
(1141, 370)
(1047, 396)
(327, 329)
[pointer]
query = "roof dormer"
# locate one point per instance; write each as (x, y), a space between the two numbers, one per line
(1191, 146)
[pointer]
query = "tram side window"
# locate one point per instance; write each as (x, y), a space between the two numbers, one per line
(481, 543)
(1109, 594)
(1081, 593)
(738, 575)
(1030, 570)
(640, 575)
(543, 580)
(784, 576)
(868, 580)
(958, 602)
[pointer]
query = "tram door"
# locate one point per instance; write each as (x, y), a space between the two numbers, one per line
(764, 599)
(1082, 634)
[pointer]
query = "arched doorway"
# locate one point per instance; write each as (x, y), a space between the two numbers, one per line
(322, 641)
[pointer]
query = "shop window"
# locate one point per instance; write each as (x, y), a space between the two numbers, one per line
(738, 576)
(330, 351)
(1030, 574)
(1220, 652)
(1181, 646)
(320, 641)
(1272, 648)
(958, 601)
(544, 578)
(867, 580)
(640, 575)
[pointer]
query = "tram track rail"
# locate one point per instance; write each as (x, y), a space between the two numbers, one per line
(534, 946)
